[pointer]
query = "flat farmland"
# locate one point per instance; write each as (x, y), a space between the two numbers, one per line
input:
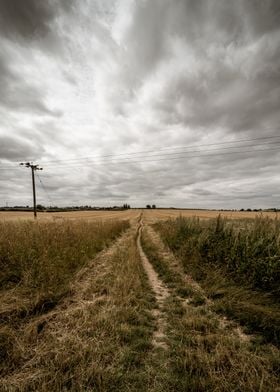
(149, 215)
(69, 215)
(163, 214)
(138, 300)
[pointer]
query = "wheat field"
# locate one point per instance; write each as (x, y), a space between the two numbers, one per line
(135, 301)
(151, 215)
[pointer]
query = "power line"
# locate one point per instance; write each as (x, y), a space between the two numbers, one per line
(115, 156)
(143, 158)
(167, 148)
(167, 158)
(129, 159)
(44, 189)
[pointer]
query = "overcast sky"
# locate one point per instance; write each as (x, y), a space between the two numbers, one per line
(137, 101)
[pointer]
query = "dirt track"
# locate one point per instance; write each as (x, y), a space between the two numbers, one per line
(85, 340)
(160, 291)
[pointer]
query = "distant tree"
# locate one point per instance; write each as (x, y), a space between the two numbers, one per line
(148, 206)
(249, 209)
(40, 207)
(154, 206)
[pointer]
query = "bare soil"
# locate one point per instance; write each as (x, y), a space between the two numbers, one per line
(160, 292)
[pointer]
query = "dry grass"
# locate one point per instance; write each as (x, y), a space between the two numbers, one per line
(37, 264)
(248, 250)
(97, 339)
(205, 357)
(206, 354)
(237, 264)
(42, 256)
(97, 335)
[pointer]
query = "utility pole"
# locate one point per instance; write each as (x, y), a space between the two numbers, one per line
(33, 168)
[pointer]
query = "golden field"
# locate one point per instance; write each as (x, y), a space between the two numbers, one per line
(134, 301)
(150, 215)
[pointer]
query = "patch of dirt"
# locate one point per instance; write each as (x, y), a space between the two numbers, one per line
(161, 293)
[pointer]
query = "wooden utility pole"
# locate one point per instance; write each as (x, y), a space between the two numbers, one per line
(33, 168)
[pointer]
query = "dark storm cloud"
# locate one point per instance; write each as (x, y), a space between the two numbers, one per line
(29, 19)
(25, 19)
(262, 16)
(14, 148)
(23, 25)
(231, 52)
(225, 20)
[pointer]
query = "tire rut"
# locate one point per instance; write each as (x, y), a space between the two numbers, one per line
(161, 294)
(175, 266)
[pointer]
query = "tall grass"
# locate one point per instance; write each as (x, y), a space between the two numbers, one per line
(97, 340)
(38, 260)
(237, 264)
(248, 251)
(204, 354)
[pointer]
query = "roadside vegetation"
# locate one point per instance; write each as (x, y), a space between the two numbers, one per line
(78, 312)
(42, 257)
(37, 264)
(206, 352)
(238, 265)
(97, 339)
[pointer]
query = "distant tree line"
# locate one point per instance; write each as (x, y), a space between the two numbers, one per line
(43, 208)
(125, 206)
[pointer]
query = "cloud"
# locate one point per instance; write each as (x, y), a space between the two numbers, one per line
(14, 148)
(95, 78)
(29, 33)
(25, 19)
(18, 94)
(30, 20)
(217, 73)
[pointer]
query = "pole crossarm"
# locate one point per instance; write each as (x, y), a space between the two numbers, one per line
(31, 165)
